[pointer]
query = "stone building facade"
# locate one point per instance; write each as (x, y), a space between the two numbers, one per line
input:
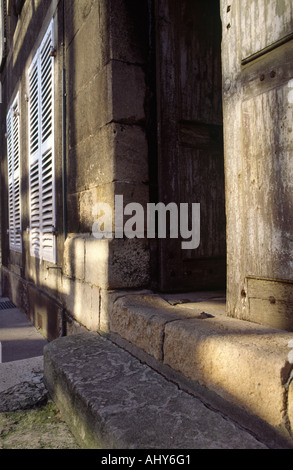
(107, 98)
(79, 67)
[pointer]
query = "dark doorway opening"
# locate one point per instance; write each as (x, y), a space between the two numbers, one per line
(190, 139)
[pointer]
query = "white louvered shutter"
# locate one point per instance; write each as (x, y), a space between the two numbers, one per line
(42, 168)
(35, 219)
(13, 153)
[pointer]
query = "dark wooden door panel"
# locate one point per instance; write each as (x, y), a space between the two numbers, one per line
(191, 164)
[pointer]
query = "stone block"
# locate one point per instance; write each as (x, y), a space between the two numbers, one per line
(44, 313)
(83, 16)
(81, 300)
(139, 320)
(129, 264)
(95, 307)
(73, 209)
(106, 306)
(128, 31)
(91, 160)
(87, 201)
(117, 263)
(90, 107)
(108, 310)
(116, 152)
(244, 363)
(49, 280)
(96, 262)
(111, 400)
(128, 92)
(67, 292)
(73, 256)
(131, 154)
(89, 58)
(131, 192)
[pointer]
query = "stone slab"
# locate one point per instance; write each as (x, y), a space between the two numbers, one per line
(111, 400)
(16, 372)
(244, 363)
(24, 395)
(141, 320)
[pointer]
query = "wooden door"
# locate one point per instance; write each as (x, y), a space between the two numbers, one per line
(191, 167)
(258, 120)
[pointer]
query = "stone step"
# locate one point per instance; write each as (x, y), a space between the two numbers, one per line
(246, 364)
(111, 400)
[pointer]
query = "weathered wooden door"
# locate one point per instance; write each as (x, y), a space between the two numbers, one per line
(257, 61)
(191, 167)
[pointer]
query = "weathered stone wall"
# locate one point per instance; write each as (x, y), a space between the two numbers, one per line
(103, 47)
(106, 47)
(24, 278)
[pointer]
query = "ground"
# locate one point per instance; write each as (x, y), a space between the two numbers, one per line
(30, 420)
(38, 428)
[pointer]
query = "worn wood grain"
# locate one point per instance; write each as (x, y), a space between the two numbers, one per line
(264, 22)
(268, 174)
(271, 302)
(270, 289)
(191, 166)
(258, 142)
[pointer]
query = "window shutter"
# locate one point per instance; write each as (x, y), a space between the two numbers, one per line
(34, 163)
(42, 168)
(13, 154)
(35, 210)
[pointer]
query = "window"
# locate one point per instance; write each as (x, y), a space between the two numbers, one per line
(41, 151)
(13, 160)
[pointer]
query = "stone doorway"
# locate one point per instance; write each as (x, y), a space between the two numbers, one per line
(190, 139)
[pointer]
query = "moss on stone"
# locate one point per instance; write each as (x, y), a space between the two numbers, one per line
(38, 428)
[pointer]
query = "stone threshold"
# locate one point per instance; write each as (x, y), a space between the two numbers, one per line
(245, 366)
(112, 400)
